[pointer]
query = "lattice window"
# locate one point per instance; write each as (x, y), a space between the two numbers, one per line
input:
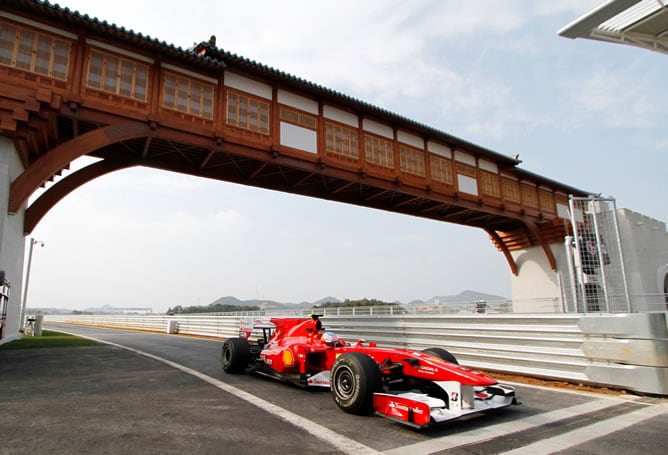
(510, 190)
(341, 140)
(32, 51)
(489, 184)
(546, 200)
(412, 161)
(466, 169)
(117, 75)
(529, 195)
(379, 151)
(441, 170)
(247, 112)
(298, 118)
(188, 95)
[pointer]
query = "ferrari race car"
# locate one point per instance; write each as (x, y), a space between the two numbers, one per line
(417, 388)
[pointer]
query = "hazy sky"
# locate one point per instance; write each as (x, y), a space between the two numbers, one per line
(592, 115)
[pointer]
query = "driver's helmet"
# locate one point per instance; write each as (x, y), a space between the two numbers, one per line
(330, 338)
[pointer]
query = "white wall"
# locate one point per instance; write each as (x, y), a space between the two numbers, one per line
(536, 288)
(645, 249)
(11, 236)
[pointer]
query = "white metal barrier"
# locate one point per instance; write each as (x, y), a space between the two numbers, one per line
(627, 351)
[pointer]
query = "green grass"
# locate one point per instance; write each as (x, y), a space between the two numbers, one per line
(49, 339)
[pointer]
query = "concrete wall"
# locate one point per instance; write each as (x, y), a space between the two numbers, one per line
(536, 288)
(645, 249)
(11, 237)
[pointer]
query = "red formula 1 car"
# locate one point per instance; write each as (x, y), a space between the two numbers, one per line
(418, 388)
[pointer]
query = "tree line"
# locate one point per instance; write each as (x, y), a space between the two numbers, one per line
(211, 308)
(353, 303)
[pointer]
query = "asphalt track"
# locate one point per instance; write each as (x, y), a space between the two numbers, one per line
(154, 393)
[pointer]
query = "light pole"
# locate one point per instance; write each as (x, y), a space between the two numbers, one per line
(33, 242)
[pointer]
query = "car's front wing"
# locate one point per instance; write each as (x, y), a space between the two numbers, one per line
(421, 410)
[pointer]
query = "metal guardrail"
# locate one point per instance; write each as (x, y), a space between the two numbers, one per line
(627, 351)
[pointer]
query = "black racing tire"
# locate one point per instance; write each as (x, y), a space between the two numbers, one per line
(354, 378)
(235, 355)
(442, 354)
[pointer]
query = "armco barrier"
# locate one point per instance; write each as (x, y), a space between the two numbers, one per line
(627, 351)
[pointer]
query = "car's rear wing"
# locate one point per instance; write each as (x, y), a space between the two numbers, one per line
(257, 327)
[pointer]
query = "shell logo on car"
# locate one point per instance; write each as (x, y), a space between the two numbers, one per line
(288, 358)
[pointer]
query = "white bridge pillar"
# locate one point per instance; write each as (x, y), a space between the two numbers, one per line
(12, 240)
(537, 288)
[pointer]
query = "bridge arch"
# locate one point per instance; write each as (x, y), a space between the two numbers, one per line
(36, 211)
(61, 156)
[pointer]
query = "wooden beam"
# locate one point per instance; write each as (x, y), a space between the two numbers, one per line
(498, 241)
(55, 159)
(535, 230)
(53, 195)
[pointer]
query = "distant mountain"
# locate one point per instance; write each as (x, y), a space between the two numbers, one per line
(323, 300)
(462, 297)
(263, 304)
(30, 311)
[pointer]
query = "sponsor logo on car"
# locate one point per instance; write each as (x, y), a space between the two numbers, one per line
(403, 407)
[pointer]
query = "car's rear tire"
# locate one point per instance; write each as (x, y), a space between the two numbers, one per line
(354, 378)
(442, 354)
(235, 355)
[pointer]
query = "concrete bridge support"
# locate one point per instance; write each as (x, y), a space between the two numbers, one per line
(12, 240)
(537, 288)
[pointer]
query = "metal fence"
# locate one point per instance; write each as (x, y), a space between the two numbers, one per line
(596, 279)
(622, 350)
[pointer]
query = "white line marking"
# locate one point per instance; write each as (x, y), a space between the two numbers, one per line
(500, 429)
(589, 432)
(339, 441)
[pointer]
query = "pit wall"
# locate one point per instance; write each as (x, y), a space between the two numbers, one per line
(625, 351)
(11, 238)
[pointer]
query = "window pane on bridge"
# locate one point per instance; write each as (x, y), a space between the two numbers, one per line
(24, 54)
(546, 200)
(412, 161)
(299, 119)
(95, 70)
(379, 151)
(7, 39)
(43, 55)
(188, 95)
(181, 95)
(34, 52)
(489, 184)
(126, 79)
(529, 195)
(110, 74)
(341, 141)
(510, 190)
(441, 170)
(61, 57)
(240, 110)
(117, 75)
(141, 82)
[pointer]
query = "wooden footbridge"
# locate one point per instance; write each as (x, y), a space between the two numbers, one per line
(71, 86)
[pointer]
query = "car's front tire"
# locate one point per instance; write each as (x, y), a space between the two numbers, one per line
(354, 378)
(235, 355)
